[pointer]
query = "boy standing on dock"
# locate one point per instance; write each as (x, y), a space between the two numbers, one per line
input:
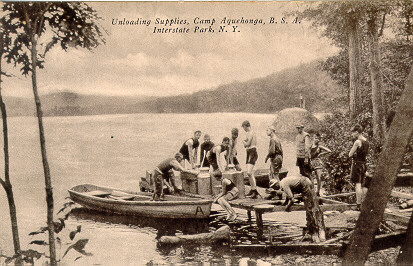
(303, 144)
(250, 144)
(358, 153)
(275, 154)
(316, 151)
(190, 150)
(232, 153)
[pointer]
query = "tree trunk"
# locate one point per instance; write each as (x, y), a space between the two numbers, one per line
(222, 234)
(385, 174)
(354, 67)
(375, 76)
(7, 184)
(47, 177)
(314, 216)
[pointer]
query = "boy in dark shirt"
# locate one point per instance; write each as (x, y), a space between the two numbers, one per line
(232, 153)
(358, 153)
(205, 147)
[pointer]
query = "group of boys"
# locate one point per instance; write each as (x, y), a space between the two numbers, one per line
(209, 157)
(307, 155)
(307, 152)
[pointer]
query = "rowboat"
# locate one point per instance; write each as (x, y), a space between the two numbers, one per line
(139, 203)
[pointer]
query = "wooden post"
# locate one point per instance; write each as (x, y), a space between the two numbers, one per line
(389, 163)
(258, 218)
(406, 251)
(260, 223)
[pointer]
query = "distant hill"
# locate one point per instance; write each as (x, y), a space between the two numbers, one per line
(262, 95)
(70, 104)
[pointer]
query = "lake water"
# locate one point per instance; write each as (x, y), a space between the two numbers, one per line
(115, 151)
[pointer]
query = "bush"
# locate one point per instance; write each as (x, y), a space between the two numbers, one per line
(336, 135)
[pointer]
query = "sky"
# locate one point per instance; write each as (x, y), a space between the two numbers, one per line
(136, 61)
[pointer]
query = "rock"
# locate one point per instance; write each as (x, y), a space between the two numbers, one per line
(222, 234)
(243, 262)
(289, 118)
(263, 263)
(300, 260)
(278, 261)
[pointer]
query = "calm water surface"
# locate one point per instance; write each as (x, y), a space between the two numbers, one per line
(115, 150)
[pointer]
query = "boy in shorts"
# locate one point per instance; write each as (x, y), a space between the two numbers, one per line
(358, 153)
(250, 144)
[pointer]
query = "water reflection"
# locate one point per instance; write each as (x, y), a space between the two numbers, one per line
(163, 226)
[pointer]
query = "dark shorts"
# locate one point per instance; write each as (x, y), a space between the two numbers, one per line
(276, 163)
(235, 161)
(214, 164)
(185, 153)
(252, 156)
(216, 173)
(305, 168)
(205, 163)
(231, 195)
(358, 173)
(275, 166)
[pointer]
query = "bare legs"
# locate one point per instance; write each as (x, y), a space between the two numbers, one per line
(360, 193)
(227, 207)
(251, 177)
(317, 174)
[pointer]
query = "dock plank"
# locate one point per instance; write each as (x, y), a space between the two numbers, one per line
(339, 195)
(396, 216)
(401, 195)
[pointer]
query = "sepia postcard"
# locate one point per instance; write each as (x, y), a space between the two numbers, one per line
(158, 133)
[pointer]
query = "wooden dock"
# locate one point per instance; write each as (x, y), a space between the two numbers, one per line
(261, 206)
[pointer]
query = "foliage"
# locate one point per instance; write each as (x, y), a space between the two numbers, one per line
(395, 64)
(59, 227)
(403, 25)
(70, 24)
(269, 94)
(31, 255)
(336, 135)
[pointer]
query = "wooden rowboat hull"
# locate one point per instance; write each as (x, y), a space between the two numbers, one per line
(139, 203)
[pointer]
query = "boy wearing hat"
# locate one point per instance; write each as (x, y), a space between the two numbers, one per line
(303, 144)
(275, 154)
